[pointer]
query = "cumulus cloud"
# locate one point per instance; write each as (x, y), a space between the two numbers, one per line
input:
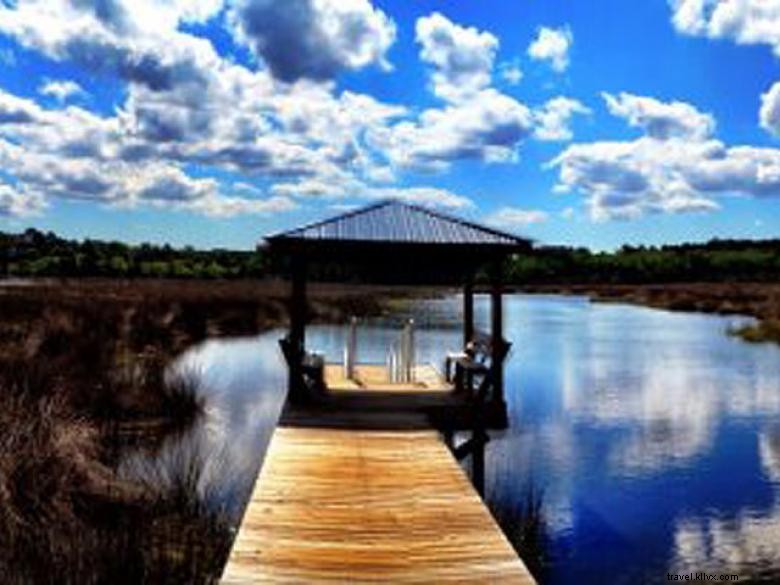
(426, 196)
(17, 204)
(350, 188)
(169, 183)
(747, 22)
(674, 167)
(462, 57)
(511, 217)
(769, 114)
(476, 122)
(192, 121)
(554, 117)
(15, 110)
(61, 90)
(659, 119)
(316, 39)
(74, 154)
(226, 206)
(489, 127)
(552, 45)
(137, 40)
(510, 72)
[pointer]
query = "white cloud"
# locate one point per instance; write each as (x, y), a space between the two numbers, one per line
(315, 39)
(233, 120)
(515, 217)
(61, 90)
(676, 169)
(661, 119)
(477, 122)
(488, 127)
(193, 121)
(769, 114)
(186, 107)
(462, 57)
(747, 22)
(350, 188)
(15, 110)
(14, 203)
(138, 40)
(225, 206)
(554, 117)
(553, 45)
(426, 196)
(510, 72)
(169, 184)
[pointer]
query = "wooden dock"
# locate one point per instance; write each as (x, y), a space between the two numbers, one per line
(357, 486)
(357, 506)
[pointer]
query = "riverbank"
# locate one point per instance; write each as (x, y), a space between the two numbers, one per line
(759, 300)
(82, 380)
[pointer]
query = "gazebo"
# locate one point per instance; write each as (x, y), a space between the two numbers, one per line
(396, 243)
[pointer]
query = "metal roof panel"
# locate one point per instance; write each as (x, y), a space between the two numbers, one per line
(399, 222)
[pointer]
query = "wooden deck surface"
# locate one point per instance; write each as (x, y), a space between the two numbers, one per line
(375, 378)
(349, 506)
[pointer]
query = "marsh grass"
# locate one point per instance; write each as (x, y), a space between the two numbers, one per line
(82, 383)
(67, 517)
(761, 332)
(525, 526)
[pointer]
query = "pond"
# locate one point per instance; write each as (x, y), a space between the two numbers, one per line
(653, 437)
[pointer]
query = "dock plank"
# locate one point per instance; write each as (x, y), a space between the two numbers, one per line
(336, 506)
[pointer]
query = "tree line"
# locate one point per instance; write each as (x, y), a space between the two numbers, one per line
(38, 254)
(713, 261)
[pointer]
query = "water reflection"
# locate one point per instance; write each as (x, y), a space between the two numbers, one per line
(654, 436)
(646, 431)
(746, 542)
(245, 383)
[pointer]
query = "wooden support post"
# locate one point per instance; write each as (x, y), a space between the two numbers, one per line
(298, 314)
(478, 461)
(497, 333)
(448, 436)
(468, 312)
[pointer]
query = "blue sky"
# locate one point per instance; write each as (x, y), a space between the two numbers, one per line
(212, 123)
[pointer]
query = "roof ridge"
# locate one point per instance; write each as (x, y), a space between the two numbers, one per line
(335, 218)
(465, 222)
(385, 225)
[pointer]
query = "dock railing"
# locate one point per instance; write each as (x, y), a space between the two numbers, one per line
(401, 356)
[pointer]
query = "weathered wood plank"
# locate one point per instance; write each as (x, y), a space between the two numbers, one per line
(335, 506)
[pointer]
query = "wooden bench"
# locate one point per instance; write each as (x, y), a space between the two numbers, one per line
(476, 358)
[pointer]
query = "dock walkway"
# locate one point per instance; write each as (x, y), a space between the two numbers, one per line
(367, 506)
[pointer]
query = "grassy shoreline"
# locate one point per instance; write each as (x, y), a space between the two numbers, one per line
(82, 377)
(758, 300)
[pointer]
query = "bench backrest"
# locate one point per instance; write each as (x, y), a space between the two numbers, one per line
(481, 347)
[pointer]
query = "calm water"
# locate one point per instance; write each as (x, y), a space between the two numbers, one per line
(654, 436)
(245, 382)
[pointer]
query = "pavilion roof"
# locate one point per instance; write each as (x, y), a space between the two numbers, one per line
(397, 222)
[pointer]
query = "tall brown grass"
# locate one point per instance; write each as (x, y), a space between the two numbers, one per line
(83, 379)
(66, 516)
